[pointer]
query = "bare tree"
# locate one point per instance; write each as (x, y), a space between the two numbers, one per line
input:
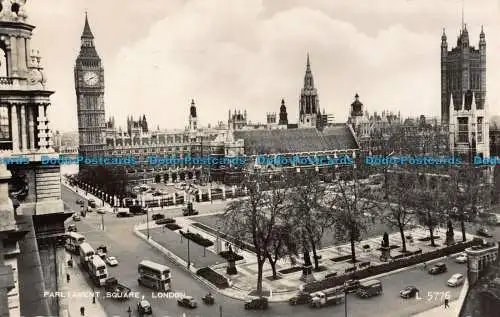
(349, 208)
(309, 213)
(433, 201)
(399, 213)
(468, 189)
(283, 244)
(257, 216)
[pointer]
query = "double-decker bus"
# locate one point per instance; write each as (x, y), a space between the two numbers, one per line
(86, 252)
(155, 276)
(98, 270)
(73, 241)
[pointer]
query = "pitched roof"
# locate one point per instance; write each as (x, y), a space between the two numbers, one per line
(337, 137)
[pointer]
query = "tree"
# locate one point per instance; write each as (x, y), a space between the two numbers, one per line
(283, 244)
(257, 216)
(348, 209)
(467, 190)
(309, 214)
(398, 213)
(432, 202)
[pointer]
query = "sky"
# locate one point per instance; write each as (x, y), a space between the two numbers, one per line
(249, 54)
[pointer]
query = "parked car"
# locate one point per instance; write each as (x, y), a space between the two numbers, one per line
(351, 286)
(483, 232)
(456, 280)
(92, 203)
(409, 292)
(144, 307)
(72, 228)
(257, 303)
(187, 301)
(101, 210)
(158, 216)
(461, 258)
(438, 268)
(76, 217)
(111, 261)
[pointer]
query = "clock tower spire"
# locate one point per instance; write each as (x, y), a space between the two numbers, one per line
(89, 88)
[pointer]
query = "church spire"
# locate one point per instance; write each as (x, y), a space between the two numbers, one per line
(87, 33)
(308, 78)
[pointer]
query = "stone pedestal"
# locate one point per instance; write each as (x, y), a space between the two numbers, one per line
(386, 254)
(231, 267)
(307, 274)
(223, 193)
(450, 239)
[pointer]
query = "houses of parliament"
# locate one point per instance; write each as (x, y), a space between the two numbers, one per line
(314, 131)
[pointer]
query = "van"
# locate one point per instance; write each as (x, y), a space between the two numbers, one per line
(370, 288)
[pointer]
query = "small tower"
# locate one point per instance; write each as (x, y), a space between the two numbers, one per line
(283, 119)
(356, 112)
(193, 118)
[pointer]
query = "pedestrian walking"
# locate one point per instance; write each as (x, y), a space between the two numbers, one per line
(68, 278)
(82, 311)
(446, 303)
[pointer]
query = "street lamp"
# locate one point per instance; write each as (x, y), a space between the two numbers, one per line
(102, 221)
(147, 221)
(345, 298)
(189, 256)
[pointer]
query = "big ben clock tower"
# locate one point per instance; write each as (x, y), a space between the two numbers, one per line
(89, 87)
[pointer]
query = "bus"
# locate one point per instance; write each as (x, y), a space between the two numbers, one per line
(73, 241)
(86, 252)
(98, 270)
(155, 276)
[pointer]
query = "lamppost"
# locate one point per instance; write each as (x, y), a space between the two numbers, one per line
(189, 256)
(345, 299)
(102, 221)
(147, 221)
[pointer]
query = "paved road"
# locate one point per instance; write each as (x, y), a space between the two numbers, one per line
(130, 250)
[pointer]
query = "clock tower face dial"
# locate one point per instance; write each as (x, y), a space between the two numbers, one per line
(91, 78)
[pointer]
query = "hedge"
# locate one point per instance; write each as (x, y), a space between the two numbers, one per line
(227, 254)
(238, 243)
(291, 270)
(213, 277)
(173, 226)
(388, 267)
(197, 238)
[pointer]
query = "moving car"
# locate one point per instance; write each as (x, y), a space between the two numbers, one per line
(456, 280)
(76, 217)
(438, 268)
(92, 203)
(158, 216)
(461, 258)
(257, 303)
(483, 232)
(409, 292)
(300, 298)
(79, 202)
(111, 261)
(187, 301)
(144, 308)
(351, 286)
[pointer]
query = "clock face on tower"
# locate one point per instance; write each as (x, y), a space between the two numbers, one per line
(91, 78)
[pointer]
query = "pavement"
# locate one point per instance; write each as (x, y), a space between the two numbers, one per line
(81, 294)
(120, 239)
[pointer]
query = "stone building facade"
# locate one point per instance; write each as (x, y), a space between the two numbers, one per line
(32, 214)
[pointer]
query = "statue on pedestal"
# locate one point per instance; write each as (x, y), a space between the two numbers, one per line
(231, 263)
(450, 235)
(385, 248)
